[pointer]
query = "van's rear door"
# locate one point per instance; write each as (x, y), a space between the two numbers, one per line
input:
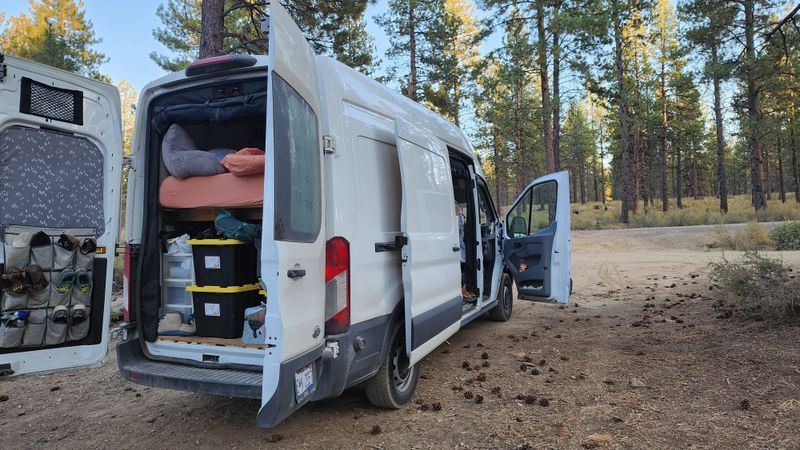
(537, 243)
(60, 159)
(293, 246)
(431, 268)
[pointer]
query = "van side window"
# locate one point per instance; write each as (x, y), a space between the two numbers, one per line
(297, 166)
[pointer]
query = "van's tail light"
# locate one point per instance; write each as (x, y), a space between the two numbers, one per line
(126, 278)
(337, 286)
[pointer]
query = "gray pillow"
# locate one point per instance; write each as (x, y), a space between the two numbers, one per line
(183, 159)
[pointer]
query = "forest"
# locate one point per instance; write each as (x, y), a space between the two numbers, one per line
(647, 103)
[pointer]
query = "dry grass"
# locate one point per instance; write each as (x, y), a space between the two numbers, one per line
(750, 238)
(595, 216)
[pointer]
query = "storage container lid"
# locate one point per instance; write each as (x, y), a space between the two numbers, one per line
(214, 242)
(223, 290)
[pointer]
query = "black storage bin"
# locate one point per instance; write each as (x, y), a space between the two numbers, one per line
(219, 311)
(223, 262)
(257, 244)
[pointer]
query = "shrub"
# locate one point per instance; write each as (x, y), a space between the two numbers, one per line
(757, 286)
(786, 236)
(750, 238)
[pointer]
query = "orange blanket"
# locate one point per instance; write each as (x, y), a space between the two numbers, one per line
(247, 161)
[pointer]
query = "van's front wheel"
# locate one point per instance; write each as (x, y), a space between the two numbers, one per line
(505, 301)
(394, 384)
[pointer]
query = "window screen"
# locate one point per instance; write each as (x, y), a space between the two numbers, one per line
(50, 179)
(297, 166)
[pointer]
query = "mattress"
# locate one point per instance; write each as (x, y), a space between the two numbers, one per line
(217, 191)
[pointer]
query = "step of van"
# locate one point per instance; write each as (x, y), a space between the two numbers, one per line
(136, 367)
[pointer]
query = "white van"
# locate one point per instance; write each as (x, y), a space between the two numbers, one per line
(60, 177)
(380, 238)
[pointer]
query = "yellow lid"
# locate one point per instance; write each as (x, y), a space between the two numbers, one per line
(262, 292)
(223, 290)
(214, 242)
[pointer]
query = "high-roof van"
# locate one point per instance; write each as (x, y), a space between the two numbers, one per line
(379, 237)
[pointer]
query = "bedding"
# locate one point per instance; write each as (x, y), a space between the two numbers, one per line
(247, 161)
(217, 191)
(183, 159)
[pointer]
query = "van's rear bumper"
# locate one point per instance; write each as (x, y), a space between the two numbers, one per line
(136, 367)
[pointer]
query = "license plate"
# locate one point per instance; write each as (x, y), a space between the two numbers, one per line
(304, 382)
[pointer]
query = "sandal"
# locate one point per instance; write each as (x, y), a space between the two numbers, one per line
(60, 314)
(13, 280)
(68, 242)
(89, 246)
(35, 279)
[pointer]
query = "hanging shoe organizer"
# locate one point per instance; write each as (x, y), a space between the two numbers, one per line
(47, 285)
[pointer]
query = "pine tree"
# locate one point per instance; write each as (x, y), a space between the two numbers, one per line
(454, 58)
(407, 24)
(331, 27)
(56, 33)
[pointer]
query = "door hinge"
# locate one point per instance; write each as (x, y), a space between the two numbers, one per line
(400, 240)
(5, 370)
(328, 144)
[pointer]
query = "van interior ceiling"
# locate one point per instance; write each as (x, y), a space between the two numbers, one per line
(220, 119)
(465, 207)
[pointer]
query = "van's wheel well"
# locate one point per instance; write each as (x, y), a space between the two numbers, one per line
(394, 384)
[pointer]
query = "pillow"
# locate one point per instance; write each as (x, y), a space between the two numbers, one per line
(182, 158)
(247, 161)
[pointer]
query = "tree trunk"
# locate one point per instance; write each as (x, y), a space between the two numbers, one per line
(547, 109)
(627, 175)
(211, 28)
(781, 185)
(556, 87)
(753, 111)
(582, 174)
(695, 177)
(722, 186)
(795, 175)
(412, 50)
(767, 174)
(602, 167)
(678, 179)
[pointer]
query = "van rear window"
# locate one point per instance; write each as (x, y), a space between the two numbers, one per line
(297, 150)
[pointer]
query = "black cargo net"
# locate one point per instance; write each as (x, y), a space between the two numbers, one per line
(50, 102)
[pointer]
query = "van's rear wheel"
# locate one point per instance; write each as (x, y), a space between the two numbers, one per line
(394, 384)
(505, 301)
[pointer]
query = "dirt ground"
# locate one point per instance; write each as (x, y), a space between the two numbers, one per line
(638, 359)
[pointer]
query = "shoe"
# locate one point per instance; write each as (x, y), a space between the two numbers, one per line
(68, 242)
(82, 281)
(40, 239)
(187, 328)
(78, 314)
(169, 324)
(22, 240)
(89, 246)
(13, 280)
(35, 280)
(60, 314)
(65, 280)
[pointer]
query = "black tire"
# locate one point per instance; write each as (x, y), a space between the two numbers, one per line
(505, 301)
(394, 384)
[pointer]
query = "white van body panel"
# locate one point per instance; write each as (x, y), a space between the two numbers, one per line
(102, 126)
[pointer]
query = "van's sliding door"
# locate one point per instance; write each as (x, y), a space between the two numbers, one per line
(293, 249)
(431, 269)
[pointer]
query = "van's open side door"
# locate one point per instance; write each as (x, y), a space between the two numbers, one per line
(60, 172)
(431, 270)
(293, 245)
(537, 243)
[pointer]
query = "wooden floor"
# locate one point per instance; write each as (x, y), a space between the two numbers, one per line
(200, 340)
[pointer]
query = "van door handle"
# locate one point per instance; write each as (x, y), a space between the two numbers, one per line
(456, 248)
(296, 273)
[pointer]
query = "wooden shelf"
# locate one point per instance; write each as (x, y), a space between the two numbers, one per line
(200, 340)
